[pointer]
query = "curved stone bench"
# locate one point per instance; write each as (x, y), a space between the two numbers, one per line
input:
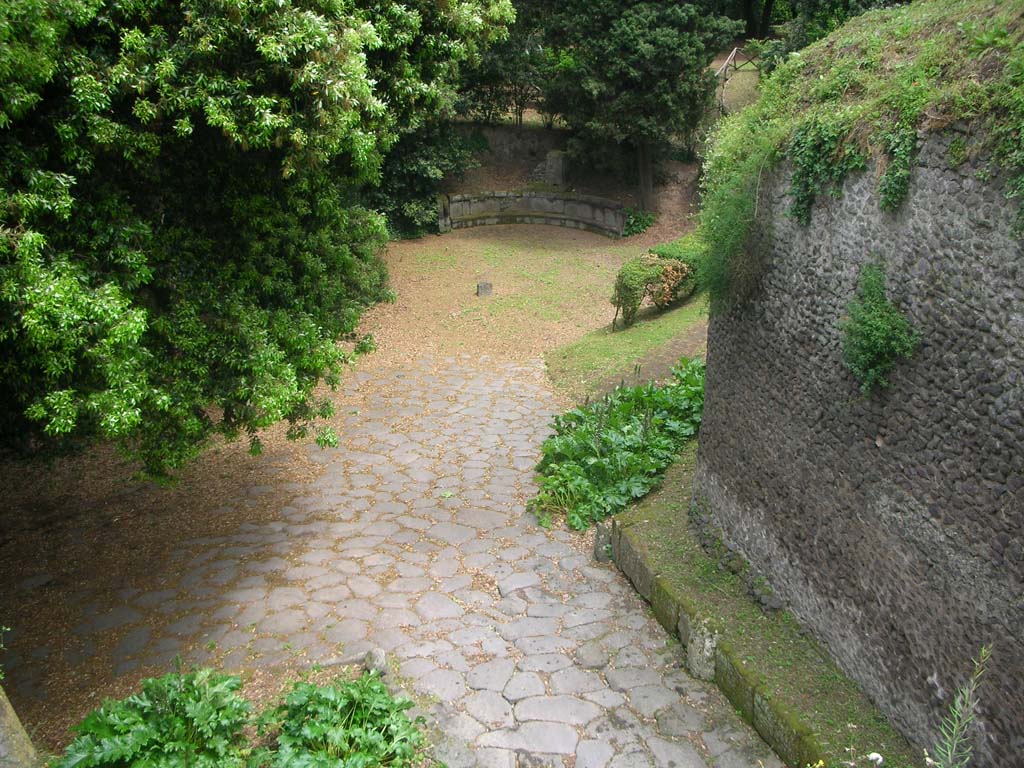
(594, 214)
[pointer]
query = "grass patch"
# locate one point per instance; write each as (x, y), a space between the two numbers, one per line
(793, 669)
(740, 90)
(582, 366)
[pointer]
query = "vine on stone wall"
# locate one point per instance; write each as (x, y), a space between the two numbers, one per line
(876, 335)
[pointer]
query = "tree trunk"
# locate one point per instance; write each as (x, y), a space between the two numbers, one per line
(646, 174)
(16, 750)
(766, 17)
(751, 17)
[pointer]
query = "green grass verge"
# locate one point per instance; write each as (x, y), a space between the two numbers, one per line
(583, 365)
(792, 668)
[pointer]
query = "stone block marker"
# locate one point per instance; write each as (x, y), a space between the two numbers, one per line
(484, 289)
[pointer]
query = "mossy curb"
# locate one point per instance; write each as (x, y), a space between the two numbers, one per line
(663, 567)
(780, 728)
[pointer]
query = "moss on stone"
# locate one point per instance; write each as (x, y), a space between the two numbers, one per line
(815, 708)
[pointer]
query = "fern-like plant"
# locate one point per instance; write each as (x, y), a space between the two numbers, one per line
(954, 749)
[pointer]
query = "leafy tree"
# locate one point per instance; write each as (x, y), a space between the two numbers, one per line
(510, 74)
(181, 235)
(634, 73)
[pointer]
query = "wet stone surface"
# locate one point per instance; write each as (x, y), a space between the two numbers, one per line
(415, 539)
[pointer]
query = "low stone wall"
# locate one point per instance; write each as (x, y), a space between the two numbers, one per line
(594, 214)
(892, 524)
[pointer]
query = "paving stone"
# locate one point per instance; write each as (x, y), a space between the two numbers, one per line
(517, 581)
(557, 709)
(445, 684)
(433, 606)
(492, 675)
(491, 709)
(554, 738)
(545, 662)
(679, 720)
(522, 685)
(284, 622)
(528, 627)
(495, 758)
(648, 699)
(575, 680)
(636, 759)
(674, 754)
(626, 678)
(593, 754)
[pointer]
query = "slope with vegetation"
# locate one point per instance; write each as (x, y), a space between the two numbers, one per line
(864, 96)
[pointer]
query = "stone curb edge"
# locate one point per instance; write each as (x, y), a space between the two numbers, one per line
(708, 656)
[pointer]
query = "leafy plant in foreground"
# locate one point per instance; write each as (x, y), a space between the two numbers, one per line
(346, 725)
(608, 453)
(876, 334)
(192, 720)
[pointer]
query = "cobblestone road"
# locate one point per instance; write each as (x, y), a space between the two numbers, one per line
(415, 540)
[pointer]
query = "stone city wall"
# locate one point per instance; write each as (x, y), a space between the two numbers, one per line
(892, 524)
(594, 214)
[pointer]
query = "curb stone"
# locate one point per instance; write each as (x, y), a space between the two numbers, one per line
(710, 657)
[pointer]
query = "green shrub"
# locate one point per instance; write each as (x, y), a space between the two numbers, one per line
(354, 724)
(636, 222)
(608, 453)
(664, 281)
(192, 721)
(876, 334)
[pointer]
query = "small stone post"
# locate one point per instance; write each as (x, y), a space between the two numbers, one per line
(16, 750)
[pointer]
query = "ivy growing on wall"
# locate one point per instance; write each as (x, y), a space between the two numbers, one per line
(865, 93)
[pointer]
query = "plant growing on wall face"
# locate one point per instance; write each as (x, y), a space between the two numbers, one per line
(876, 335)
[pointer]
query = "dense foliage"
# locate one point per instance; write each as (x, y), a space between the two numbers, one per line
(663, 281)
(671, 273)
(182, 239)
(199, 720)
(608, 453)
(633, 73)
(191, 721)
(843, 102)
(348, 725)
(876, 335)
(510, 74)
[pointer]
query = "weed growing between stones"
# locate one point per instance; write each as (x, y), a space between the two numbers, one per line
(876, 335)
(613, 451)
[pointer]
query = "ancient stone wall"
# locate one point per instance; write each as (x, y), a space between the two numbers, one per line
(892, 524)
(594, 214)
(509, 142)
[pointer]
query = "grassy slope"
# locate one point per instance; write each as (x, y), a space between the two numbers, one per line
(581, 367)
(863, 93)
(797, 671)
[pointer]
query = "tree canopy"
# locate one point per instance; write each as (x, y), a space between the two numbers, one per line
(182, 234)
(634, 72)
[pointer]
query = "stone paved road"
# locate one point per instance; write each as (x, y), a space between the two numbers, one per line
(415, 540)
